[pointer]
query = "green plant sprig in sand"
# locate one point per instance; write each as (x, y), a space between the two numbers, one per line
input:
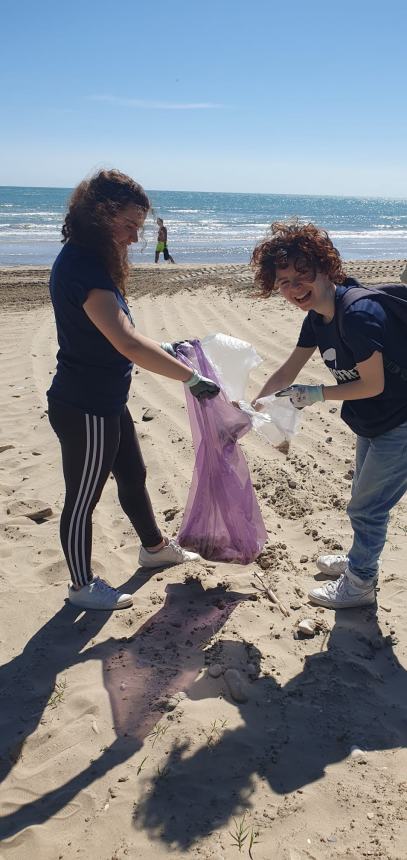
(58, 694)
(242, 833)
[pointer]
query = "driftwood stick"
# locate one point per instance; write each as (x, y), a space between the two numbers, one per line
(271, 595)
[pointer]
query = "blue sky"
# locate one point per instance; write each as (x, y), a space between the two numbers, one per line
(285, 97)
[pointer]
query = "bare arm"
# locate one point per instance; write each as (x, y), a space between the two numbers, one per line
(103, 310)
(370, 384)
(285, 375)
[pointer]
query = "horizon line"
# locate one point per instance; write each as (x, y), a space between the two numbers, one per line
(231, 193)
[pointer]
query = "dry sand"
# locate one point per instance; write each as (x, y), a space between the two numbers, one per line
(117, 739)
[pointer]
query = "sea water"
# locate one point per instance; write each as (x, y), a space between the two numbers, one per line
(208, 227)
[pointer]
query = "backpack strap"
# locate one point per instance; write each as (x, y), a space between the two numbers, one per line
(392, 296)
(354, 292)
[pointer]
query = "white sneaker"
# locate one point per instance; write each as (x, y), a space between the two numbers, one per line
(332, 565)
(98, 595)
(347, 592)
(172, 553)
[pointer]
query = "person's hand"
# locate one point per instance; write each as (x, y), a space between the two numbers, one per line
(201, 387)
(256, 405)
(172, 347)
(168, 347)
(302, 395)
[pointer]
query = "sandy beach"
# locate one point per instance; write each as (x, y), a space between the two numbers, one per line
(120, 737)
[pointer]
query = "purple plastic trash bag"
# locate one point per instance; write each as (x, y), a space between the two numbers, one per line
(222, 519)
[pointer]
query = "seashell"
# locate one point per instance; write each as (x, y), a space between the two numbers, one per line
(356, 752)
(307, 627)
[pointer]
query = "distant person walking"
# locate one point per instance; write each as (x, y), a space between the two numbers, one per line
(161, 247)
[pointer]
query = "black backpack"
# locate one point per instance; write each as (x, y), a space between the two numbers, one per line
(390, 296)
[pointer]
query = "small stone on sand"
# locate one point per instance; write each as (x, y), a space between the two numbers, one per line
(235, 685)
(149, 414)
(215, 670)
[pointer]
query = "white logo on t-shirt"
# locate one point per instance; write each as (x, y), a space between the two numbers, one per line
(329, 356)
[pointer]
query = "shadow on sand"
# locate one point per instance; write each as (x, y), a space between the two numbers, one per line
(353, 693)
(162, 658)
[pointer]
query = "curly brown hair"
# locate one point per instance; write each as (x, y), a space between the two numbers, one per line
(308, 248)
(92, 207)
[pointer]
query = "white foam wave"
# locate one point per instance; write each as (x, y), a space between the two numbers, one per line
(35, 213)
(368, 234)
(30, 233)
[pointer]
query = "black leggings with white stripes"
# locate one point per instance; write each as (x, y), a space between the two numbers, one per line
(92, 447)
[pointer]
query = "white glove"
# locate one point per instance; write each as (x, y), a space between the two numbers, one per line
(202, 387)
(303, 395)
(168, 347)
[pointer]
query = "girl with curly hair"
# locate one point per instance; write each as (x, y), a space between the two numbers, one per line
(98, 344)
(301, 263)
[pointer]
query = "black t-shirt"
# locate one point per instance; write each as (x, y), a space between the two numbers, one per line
(91, 374)
(367, 327)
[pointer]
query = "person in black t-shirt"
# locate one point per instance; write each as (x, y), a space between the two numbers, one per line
(301, 263)
(98, 343)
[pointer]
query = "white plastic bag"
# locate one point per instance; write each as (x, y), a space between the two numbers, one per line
(233, 360)
(278, 421)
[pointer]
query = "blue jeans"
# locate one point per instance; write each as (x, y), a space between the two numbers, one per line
(379, 482)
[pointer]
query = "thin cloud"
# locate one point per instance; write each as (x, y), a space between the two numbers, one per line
(154, 105)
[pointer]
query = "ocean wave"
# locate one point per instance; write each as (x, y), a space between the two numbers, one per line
(30, 233)
(377, 235)
(211, 227)
(39, 213)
